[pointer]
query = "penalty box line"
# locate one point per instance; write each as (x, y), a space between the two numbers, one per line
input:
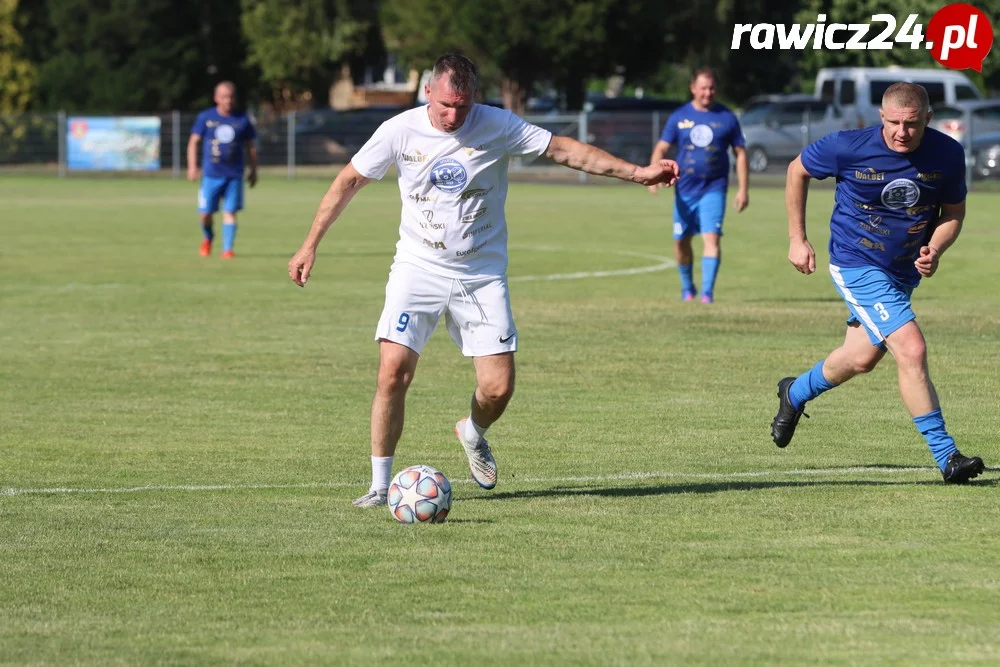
(582, 479)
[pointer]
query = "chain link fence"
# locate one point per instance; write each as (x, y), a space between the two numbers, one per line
(297, 142)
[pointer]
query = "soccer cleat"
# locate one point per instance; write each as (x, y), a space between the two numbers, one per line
(228, 254)
(206, 248)
(371, 499)
(707, 298)
(960, 469)
(689, 295)
(481, 463)
(783, 426)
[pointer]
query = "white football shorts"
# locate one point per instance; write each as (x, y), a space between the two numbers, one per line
(477, 312)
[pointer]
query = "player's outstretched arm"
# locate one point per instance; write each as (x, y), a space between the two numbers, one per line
(336, 199)
(660, 151)
(592, 160)
(948, 228)
(800, 251)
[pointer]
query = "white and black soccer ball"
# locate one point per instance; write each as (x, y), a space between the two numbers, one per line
(419, 494)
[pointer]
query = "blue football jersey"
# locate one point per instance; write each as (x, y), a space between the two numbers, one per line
(223, 142)
(886, 203)
(703, 139)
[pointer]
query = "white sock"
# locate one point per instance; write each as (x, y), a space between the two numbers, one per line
(381, 473)
(473, 432)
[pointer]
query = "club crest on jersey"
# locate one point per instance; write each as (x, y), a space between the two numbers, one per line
(225, 134)
(701, 135)
(900, 193)
(449, 175)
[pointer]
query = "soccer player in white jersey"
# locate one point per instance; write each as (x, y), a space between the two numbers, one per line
(451, 259)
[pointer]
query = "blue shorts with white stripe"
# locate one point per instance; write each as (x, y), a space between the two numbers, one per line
(878, 301)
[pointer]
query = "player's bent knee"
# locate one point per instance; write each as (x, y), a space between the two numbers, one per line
(393, 378)
(498, 392)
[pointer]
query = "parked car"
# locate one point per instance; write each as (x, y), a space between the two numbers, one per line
(328, 136)
(860, 89)
(777, 127)
(986, 155)
(959, 118)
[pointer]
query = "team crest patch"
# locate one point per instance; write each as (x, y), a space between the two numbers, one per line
(701, 135)
(449, 175)
(225, 134)
(900, 193)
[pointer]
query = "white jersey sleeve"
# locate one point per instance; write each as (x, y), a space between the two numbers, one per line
(378, 153)
(523, 138)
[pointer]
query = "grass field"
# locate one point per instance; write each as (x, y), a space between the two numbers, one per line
(180, 438)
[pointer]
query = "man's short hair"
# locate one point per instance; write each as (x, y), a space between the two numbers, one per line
(904, 95)
(704, 71)
(463, 75)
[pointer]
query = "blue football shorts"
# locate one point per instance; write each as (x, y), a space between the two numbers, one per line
(877, 300)
(228, 190)
(699, 215)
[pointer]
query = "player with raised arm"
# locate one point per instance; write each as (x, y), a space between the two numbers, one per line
(451, 156)
(226, 132)
(899, 205)
(703, 132)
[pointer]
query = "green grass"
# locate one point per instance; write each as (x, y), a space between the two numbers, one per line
(642, 516)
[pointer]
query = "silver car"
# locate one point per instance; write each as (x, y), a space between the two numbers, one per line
(959, 119)
(777, 127)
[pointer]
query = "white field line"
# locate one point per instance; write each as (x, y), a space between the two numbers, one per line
(595, 479)
(663, 263)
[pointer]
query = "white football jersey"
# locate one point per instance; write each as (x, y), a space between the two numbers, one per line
(453, 186)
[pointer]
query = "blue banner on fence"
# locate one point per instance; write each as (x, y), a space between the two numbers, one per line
(113, 144)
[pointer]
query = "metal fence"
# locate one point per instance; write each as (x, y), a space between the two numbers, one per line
(298, 140)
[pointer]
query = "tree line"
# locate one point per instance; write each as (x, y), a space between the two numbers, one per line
(127, 56)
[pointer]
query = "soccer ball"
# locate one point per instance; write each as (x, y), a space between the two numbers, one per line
(419, 494)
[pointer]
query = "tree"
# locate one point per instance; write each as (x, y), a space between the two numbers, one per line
(298, 45)
(17, 73)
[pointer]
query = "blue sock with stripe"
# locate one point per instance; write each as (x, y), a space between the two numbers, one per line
(808, 386)
(931, 426)
(709, 270)
(228, 235)
(687, 277)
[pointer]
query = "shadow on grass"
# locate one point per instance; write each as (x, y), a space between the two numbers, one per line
(710, 487)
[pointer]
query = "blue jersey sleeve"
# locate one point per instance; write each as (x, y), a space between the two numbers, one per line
(736, 139)
(669, 133)
(199, 125)
(820, 157)
(955, 190)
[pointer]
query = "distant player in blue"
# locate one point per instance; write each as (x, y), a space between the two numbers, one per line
(899, 205)
(703, 132)
(226, 132)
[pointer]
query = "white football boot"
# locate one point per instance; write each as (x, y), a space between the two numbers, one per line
(481, 463)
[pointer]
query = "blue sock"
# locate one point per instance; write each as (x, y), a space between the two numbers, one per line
(808, 386)
(208, 232)
(709, 270)
(228, 235)
(931, 426)
(687, 279)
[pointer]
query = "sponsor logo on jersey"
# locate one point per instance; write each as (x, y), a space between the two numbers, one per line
(478, 230)
(685, 124)
(448, 175)
(872, 245)
(471, 251)
(476, 193)
(469, 150)
(869, 174)
(917, 228)
(917, 210)
(436, 245)
(701, 135)
(416, 157)
(900, 193)
(475, 215)
(931, 176)
(420, 199)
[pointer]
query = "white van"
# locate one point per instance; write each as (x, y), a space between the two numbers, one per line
(858, 90)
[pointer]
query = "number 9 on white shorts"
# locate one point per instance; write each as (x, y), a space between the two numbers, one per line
(476, 311)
